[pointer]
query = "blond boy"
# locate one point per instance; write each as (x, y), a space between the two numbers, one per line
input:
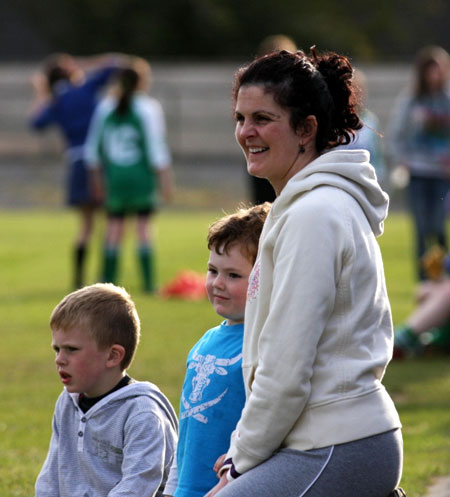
(112, 436)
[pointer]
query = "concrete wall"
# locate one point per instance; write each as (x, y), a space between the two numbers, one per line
(196, 99)
(197, 103)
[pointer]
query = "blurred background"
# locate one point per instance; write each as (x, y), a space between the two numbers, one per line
(216, 29)
(194, 47)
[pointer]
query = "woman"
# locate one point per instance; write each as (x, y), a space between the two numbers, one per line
(420, 140)
(318, 330)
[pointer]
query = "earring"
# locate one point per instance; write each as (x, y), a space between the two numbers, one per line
(301, 149)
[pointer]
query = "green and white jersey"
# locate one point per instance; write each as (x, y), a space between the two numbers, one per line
(130, 148)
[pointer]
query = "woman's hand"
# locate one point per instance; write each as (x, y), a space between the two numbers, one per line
(222, 483)
(219, 463)
(222, 479)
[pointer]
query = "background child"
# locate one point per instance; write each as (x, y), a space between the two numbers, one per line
(127, 141)
(66, 92)
(419, 139)
(213, 392)
(427, 329)
(111, 435)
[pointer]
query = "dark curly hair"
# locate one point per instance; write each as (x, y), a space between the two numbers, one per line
(318, 85)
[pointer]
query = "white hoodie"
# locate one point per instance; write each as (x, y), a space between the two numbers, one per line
(318, 327)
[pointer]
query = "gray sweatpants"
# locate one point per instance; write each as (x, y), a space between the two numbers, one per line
(370, 467)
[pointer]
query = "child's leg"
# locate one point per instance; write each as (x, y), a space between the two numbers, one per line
(428, 324)
(79, 258)
(114, 234)
(434, 310)
(145, 251)
(86, 226)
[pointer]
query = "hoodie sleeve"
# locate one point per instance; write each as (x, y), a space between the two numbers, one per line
(172, 480)
(308, 253)
(149, 444)
(47, 481)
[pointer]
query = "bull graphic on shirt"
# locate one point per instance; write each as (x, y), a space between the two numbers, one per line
(205, 366)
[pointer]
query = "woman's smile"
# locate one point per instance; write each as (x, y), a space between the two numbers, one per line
(264, 132)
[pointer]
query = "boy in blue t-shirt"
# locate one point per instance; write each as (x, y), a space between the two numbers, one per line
(213, 393)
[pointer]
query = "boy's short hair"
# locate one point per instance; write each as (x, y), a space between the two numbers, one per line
(106, 311)
(243, 227)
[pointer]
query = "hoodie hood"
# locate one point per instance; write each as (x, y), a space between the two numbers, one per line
(349, 170)
(133, 390)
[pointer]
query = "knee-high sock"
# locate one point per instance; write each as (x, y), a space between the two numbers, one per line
(110, 264)
(146, 262)
(79, 260)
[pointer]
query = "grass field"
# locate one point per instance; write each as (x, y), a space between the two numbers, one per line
(34, 268)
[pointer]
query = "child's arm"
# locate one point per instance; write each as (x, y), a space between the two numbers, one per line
(166, 183)
(92, 151)
(96, 184)
(172, 480)
(148, 450)
(47, 482)
(92, 62)
(41, 92)
(158, 153)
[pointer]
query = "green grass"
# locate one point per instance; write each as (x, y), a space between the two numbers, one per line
(34, 268)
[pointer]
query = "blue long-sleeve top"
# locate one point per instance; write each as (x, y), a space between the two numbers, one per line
(72, 107)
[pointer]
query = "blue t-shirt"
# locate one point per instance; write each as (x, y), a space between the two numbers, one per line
(212, 399)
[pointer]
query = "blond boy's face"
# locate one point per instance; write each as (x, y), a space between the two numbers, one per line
(81, 365)
(227, 282)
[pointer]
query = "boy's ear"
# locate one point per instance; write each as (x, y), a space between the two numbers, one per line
(116, 354)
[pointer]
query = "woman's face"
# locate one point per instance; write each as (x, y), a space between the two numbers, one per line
(264, 133)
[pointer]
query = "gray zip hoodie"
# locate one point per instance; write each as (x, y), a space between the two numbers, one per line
(122, 446)
(318, 328)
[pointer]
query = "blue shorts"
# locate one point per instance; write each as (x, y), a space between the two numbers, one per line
(78, 188)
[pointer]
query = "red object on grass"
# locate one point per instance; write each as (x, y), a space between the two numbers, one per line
(187, 284)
